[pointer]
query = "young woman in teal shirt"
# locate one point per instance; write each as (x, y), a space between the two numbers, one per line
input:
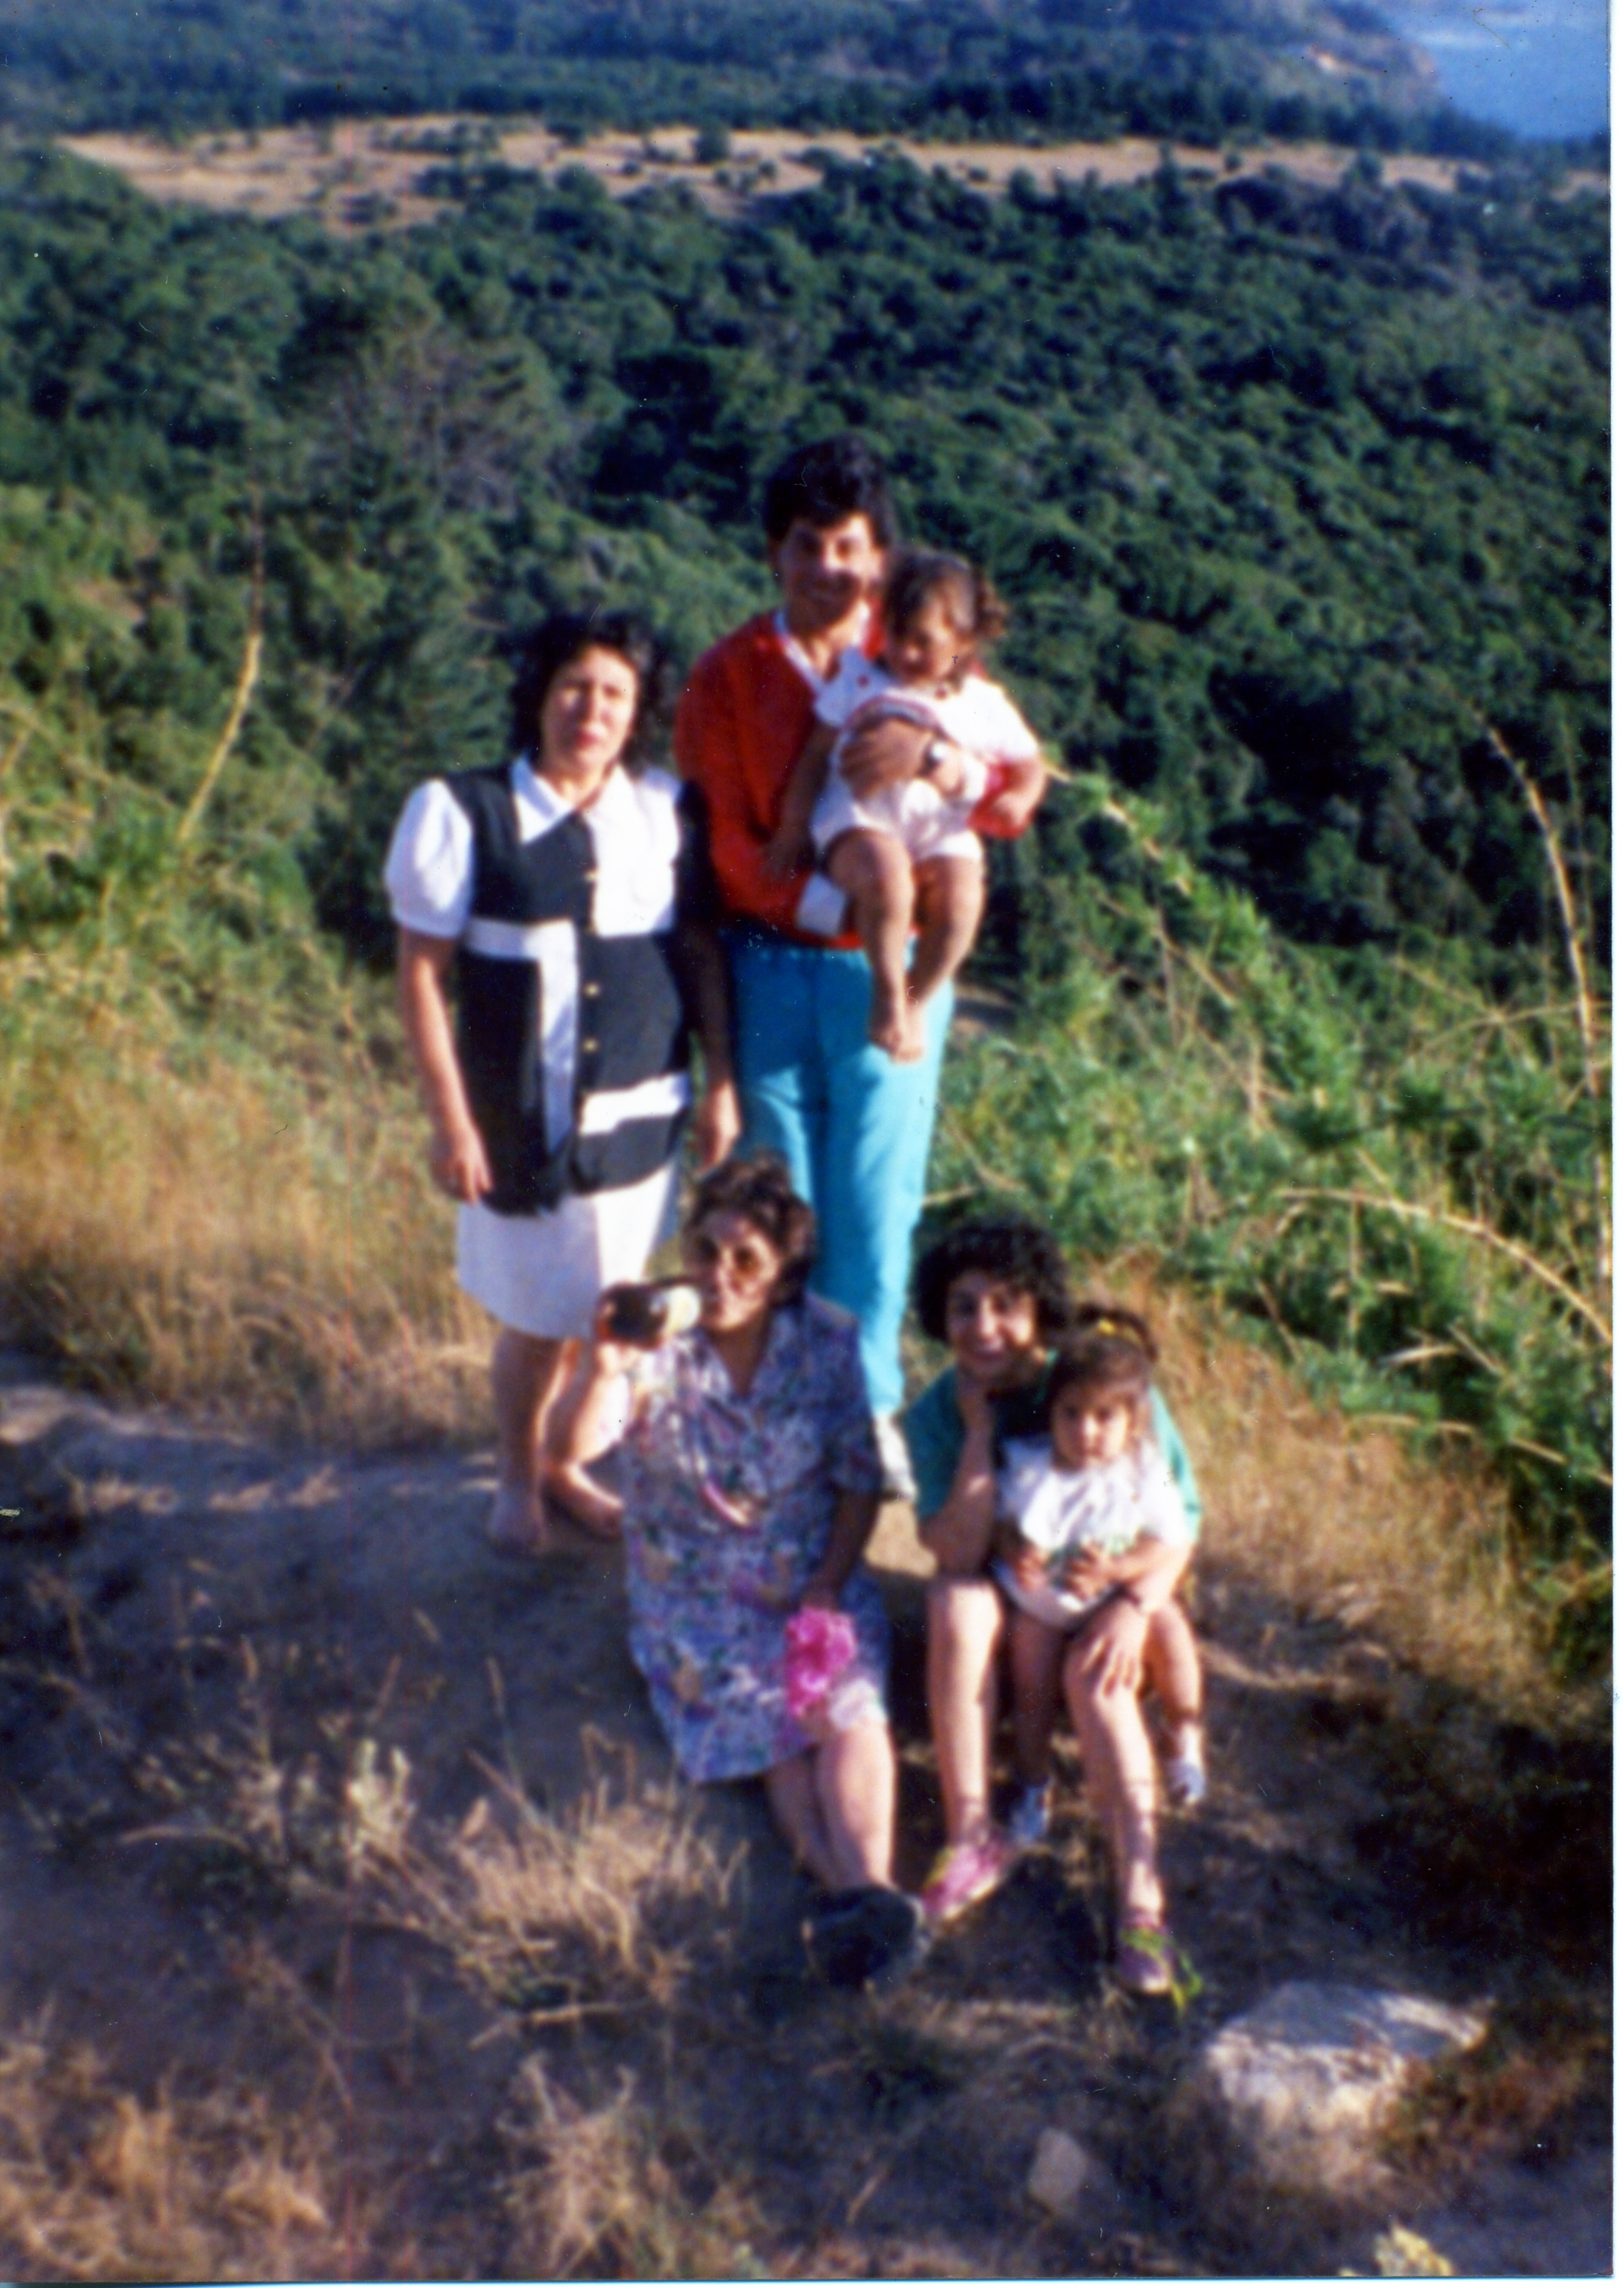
(997, 1294)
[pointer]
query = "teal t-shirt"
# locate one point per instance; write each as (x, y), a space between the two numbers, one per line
(933, 1428)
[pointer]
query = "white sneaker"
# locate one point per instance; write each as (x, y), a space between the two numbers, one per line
(1028, 1821)
(1186, 1778)
(895, 1465)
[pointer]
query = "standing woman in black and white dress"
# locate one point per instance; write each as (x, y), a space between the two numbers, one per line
(565, 891)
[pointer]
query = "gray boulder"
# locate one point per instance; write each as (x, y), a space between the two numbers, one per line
(1279, 2121)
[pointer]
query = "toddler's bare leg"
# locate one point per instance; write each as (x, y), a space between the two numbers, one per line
(877, 876)
(951, 896)
(1035, 1652)
(1172, 1664)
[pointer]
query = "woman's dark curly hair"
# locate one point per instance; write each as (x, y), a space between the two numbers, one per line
(1108, 1350)
(758, 1188)
(559, 642)
(1017, 1254)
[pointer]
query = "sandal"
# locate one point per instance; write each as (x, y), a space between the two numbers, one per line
(1147, 1960)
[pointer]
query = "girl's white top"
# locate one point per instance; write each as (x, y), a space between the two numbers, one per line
(1107, 1506)
(978, 716)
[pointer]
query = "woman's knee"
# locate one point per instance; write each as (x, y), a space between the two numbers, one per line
(963, 1616)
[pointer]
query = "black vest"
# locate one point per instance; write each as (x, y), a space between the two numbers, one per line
(549, 1028)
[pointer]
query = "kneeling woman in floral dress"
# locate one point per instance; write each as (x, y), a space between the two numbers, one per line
(751, 1481)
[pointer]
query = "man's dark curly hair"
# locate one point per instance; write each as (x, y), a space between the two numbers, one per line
(758, 1188)
(545, 654)
(826, 482)
(1007, 1249)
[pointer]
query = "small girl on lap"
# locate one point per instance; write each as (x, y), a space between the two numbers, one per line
(1086, 1514)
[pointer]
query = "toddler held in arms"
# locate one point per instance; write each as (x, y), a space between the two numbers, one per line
(907, 852)
(1089, 1515)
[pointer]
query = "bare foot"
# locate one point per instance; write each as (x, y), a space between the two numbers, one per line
(585, 1502)
(516, 1525)
(896, 1026)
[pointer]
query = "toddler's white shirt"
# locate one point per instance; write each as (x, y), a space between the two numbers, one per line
(1062, 1513)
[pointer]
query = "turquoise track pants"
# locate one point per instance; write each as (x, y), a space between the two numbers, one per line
(854, 1126)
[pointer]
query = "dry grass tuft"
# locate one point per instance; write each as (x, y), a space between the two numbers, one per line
(1342, 1518)
(603, 1911)
(1515, 2095)
(607, 2193)
(262, 1247)
(95, 2185)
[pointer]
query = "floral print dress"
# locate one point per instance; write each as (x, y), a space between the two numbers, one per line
(730, 1505)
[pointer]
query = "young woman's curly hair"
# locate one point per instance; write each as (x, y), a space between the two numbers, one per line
(1016, 1254)
(758, 1188)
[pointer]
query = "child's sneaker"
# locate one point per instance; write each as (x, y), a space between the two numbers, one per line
(1185, 1770)
(964, 1873)
(1028, 1821)
(1145, 1961)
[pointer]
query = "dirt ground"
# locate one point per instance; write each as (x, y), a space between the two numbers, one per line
(197, 1631)
(359, 174)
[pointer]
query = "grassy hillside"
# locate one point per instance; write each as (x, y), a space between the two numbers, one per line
(1299, 499)
(1032, 67)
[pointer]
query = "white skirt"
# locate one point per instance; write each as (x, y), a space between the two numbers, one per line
(543, 1274)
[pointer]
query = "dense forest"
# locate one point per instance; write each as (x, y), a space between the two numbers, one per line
(1298, 496)
(1200, 69)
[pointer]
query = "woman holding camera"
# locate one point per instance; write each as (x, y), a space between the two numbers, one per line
(565, 892)
(751, 1481)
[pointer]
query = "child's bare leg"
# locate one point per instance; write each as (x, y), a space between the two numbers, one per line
(1173, 1665)
(951, 893)
(1035, 1652)
(877, 876)
(1173, 1670)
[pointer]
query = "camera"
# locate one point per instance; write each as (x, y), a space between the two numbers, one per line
(647, 1312)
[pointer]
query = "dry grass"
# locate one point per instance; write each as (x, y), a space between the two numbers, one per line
(605, 1910)
(1344, 1518)
(361, 173)
(271, 1248)
(96, 2185)
(241, 1244)
(611, 2192)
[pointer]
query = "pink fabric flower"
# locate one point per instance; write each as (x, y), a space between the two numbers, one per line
(818, 1647)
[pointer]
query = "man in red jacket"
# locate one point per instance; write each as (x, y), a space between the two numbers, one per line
(854, 1126)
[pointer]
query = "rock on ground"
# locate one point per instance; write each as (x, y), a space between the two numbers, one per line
(1287, 2104)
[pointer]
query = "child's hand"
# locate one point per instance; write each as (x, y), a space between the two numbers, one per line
(1025, 1561)
(1089, 1575)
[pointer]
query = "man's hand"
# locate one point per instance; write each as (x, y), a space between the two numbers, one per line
(881, 751)
(458, 1162)
(788, 852)
(718, 1124)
